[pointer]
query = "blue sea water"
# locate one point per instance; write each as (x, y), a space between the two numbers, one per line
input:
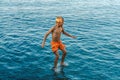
(93, 55)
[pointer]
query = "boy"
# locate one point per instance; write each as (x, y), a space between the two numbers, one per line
(56, 43)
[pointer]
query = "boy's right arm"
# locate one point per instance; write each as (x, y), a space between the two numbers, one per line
(44, 39)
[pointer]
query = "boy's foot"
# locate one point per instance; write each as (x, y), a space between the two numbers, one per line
(54, 68)
(62, 64)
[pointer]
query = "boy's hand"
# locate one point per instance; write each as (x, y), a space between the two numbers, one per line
(73, 36)
(42, 45)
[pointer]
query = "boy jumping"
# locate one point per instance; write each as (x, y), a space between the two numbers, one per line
(56, 43)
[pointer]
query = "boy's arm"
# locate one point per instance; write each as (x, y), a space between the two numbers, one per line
(44, 39)
(68, 34)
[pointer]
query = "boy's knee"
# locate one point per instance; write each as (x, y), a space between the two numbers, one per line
(57, 56)
(64, 52)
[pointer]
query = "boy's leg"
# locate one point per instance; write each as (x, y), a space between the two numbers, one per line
(63, 56)
(56, 59)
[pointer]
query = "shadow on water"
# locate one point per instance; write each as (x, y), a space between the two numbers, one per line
(56, 75)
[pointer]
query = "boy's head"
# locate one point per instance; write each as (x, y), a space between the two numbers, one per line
(59, 20)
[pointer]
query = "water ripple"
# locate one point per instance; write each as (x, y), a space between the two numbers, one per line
(93, 55)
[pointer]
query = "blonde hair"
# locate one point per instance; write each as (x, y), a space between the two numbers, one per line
(59, 19)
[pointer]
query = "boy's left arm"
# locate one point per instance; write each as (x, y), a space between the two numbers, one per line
(68, 34)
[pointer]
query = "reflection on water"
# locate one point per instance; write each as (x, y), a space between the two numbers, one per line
(60, 75)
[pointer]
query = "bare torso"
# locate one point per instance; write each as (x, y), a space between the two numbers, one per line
(56, 33)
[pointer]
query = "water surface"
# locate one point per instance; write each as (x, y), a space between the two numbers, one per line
(94, 55)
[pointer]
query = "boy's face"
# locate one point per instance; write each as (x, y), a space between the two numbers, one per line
(60, 23)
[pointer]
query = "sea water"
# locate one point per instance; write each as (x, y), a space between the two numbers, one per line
(93, 55)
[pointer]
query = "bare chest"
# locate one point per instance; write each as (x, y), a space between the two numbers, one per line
(57, 30)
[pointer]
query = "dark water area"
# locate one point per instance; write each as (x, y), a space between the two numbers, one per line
(93, 55)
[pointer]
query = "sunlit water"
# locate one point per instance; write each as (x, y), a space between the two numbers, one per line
(93, 55)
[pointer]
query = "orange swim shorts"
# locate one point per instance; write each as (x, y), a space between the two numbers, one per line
(57, 45)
